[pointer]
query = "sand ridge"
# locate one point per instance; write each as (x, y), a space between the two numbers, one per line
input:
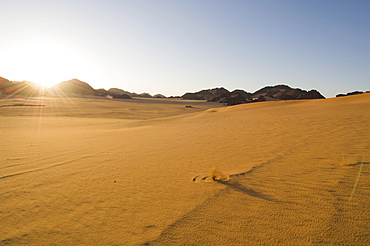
(291, 165)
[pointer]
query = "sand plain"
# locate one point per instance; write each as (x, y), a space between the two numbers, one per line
(89, 171)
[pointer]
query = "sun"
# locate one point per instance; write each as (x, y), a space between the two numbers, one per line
(41, 62)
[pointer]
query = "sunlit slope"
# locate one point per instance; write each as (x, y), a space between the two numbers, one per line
(293, 167)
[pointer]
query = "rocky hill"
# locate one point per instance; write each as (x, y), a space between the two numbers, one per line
(205, 94)
(284, 92)
(101, 92)
(116, 91)
(246, 95)
(73, 86)
(79, 87)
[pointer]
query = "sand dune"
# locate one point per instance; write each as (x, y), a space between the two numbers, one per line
(86, 171)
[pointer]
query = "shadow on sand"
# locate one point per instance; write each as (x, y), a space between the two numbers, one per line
(246, 190)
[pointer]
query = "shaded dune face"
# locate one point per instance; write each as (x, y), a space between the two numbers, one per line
(288, 172)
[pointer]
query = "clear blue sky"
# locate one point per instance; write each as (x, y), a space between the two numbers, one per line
(175, 46)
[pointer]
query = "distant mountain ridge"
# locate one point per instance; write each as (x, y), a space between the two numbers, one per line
(269, 93)
(73, 86)
(219, 94)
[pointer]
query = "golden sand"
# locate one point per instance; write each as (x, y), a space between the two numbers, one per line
(88, 171)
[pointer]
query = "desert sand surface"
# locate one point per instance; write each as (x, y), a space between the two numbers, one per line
(87, 171)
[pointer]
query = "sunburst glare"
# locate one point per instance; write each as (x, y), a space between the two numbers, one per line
(44, 63)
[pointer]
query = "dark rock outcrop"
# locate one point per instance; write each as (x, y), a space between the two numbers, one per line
(284, 92)
(312, 94)
(259, 99)
(220, 98)
(350, 93)
(233, 99)
(205, 94)
(271, 90)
